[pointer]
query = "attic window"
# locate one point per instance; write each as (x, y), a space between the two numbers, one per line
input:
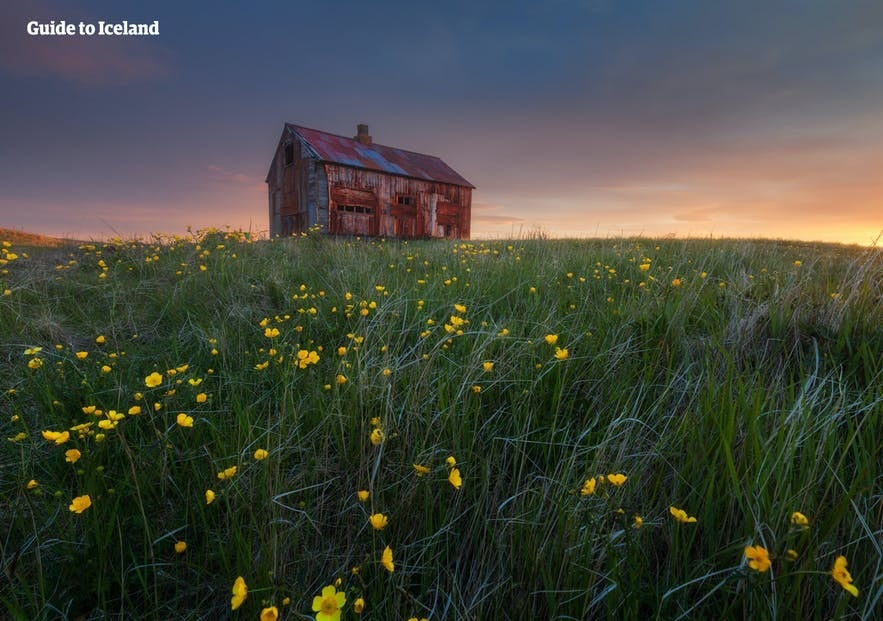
(404, 199)
(289, 154)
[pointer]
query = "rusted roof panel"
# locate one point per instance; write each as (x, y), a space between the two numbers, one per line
(350, 152)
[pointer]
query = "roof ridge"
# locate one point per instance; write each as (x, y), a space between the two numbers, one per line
(373, 144)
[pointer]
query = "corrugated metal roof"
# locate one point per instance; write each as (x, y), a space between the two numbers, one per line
(350, 152)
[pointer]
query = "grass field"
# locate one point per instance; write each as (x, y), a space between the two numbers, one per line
(532, 429)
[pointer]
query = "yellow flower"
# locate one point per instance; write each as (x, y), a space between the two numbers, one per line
(842, 576)
(35, 363)
(328, 604)
(551, 339)
(153, 380)
(362, 495)
(791, 554)
(377, 436)
(359, 606)
(134, 410)
(644, 266)
(451, 461)
(271, 333)
(589, 487)
(459, 308)
(184, 420)
(106, 369)
(676, 282)
(616, 479)
(228, 473)
(201, 397)
(80, 504)
(639, 521)
(81, 355)
(681, 516)
(270, 614)
(386, 559)
(180, 547)
(340, 379)
(59, 437)
(420, 470)
(798, 519)
(32, 484)
(341, 351)
(240, 592)
(100, 339)
(72, 455)
(378, 521)
(209, 496)
(454, 478)
(561, 353)
(487, 366)
(758, 558)
(260, 454)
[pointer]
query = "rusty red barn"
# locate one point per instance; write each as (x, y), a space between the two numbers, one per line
(352, 186)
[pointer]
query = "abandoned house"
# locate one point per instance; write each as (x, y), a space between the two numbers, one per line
(352, 186)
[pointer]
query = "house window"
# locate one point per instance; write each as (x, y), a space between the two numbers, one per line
(289, 154)
(404, 199)
(355, 209)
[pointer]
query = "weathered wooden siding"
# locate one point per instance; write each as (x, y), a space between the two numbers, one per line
(366, 202)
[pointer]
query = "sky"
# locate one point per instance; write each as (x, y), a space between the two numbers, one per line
(573, 118)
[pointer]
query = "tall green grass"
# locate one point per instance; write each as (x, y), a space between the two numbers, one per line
(737, 380)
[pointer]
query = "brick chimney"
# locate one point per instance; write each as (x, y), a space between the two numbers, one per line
(362, 134)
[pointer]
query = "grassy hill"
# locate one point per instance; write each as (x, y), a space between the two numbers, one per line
(529, 429)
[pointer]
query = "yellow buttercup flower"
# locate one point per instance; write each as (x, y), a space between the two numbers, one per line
(681, 516)
(260, 454)
(209, 496)
(180, 547)
(842, 576)
(561, 353)
(270, 614)
(487, 366)
(271, 333)
(758, 558)
(639, 521)
(420, 470)
(32, 484)
(153, 380)
(798, 519)
(377, 436)
(59, 437)
(328, 604)
(184, 420)
(551, 339)
(228, 473)
(81, 355)
(359, 606)
(451, 461)
(72, 455)
(240, 592)
(455, 479)
(616, 479)
(589, 487)
(80, 504)
(386, 560)
(378, 521)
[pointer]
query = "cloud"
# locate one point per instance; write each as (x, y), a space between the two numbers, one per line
(90, 61)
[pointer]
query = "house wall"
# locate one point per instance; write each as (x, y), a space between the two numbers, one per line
(296, 186)
(367, 202)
